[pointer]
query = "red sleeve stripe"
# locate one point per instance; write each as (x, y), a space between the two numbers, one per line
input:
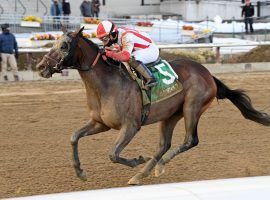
(142, 46)
(138, 35)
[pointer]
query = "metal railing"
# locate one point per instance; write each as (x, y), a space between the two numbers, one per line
(51, 23)
(171, 46)
(229, 48)
(159, 31)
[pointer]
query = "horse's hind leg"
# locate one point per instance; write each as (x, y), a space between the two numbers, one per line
(126, 134)
(194, 106)
(166, 131)
(91, 128)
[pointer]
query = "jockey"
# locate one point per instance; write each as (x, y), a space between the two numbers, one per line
(122, 44)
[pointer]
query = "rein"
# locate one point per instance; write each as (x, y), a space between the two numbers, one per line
(69, 59)
(57, 68)
(96, 60)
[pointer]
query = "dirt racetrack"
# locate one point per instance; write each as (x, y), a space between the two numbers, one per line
(37, 119)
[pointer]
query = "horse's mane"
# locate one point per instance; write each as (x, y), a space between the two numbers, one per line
(109, 61)
(90, 43)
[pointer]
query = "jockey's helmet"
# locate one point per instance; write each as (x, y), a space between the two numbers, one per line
(107, 32)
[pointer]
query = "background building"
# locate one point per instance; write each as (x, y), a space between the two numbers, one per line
(186, 9)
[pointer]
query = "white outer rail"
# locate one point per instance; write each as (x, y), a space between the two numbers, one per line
(175, 46)
(166, 46)
(211, 45)
(251, 188)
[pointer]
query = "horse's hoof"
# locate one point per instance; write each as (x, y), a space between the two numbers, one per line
(135, 180)
(82, 175)
(159, 170)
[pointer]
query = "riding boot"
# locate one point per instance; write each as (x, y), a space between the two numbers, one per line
(5, 78)
(146, 73)
(16, 77)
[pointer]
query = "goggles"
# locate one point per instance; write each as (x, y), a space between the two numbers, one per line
(105, 39)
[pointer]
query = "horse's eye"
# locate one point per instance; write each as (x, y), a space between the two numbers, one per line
(64, 46)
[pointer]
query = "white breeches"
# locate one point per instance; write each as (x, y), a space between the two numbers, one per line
(147, 55)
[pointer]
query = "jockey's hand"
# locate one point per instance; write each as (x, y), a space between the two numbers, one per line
(109, 53)
(122, 56)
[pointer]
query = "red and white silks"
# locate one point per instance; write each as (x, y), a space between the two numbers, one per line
(137, 44)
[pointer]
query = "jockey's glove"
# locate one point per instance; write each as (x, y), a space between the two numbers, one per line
(122, 56)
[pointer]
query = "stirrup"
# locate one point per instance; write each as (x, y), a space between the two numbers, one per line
(151, 83)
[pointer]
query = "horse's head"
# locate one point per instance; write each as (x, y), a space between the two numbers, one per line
(62, 55)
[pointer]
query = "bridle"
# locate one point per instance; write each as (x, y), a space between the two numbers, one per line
(57, 68)
(69, 60)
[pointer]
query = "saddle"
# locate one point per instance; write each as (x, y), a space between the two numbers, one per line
(133, 73)
(168, 84)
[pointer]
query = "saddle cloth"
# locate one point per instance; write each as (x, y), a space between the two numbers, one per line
(168, 84)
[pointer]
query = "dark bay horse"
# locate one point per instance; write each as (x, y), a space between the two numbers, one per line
(115, 102)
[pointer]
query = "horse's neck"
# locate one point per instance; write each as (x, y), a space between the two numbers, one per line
(99, 80)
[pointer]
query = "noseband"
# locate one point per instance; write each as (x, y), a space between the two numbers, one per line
(57, 67)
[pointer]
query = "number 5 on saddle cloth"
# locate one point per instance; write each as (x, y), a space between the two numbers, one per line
(168, 84)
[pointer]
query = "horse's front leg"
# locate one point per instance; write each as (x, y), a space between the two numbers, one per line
(91, 128)
(125, 136)
(166, 131)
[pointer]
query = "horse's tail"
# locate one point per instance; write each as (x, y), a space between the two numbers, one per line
(242, 102)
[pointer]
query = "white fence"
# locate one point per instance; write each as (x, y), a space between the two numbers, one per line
(164, 46)
(171, 46)
(213, 68)
(228, 47)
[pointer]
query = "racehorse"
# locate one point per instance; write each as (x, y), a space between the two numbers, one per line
(115, 102)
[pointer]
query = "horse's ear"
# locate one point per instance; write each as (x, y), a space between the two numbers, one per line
(79, 32)
(63, 28)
